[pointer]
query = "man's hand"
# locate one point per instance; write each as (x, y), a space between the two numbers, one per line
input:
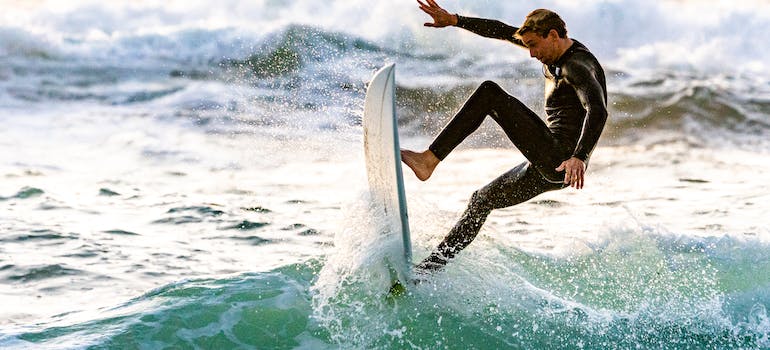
(574, 171)
(441, 18)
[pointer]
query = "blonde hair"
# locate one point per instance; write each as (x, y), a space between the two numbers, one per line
(541, 21)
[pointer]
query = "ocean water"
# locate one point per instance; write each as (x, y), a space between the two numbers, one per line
(190, 175)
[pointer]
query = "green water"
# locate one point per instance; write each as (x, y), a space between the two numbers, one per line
(644, 293)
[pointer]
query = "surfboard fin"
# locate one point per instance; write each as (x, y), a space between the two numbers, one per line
(397, 289)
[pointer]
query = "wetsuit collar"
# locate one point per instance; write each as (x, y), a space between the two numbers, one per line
(576, 45)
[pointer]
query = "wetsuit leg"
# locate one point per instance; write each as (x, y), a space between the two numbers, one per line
(522, 126)
(513, 187)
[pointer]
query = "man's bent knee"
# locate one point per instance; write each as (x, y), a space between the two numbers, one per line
(480, 200)
(490, 85)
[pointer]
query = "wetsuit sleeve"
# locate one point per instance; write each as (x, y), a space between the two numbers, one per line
(489, 28)
(591, 94)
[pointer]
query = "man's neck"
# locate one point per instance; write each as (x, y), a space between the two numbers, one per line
(564, 45)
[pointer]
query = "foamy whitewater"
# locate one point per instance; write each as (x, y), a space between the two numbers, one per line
(190, 175)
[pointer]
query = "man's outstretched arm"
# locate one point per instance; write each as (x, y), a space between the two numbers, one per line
(488, 28)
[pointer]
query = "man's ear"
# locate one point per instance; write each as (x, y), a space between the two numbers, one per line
(553, 34)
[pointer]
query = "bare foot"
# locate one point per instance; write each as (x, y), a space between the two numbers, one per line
(422, 163)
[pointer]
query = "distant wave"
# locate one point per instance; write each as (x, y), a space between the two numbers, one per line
(297, 45)
(693, 112)
(267, 72)
(630, 34)
(699, 112)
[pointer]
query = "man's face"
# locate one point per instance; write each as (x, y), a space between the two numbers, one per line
(544, 49)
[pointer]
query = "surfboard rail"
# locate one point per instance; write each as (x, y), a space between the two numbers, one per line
(383, 155)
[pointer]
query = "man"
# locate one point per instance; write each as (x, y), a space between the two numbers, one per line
(557, 152)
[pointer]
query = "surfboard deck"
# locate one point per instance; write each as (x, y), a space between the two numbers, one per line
(383, 166)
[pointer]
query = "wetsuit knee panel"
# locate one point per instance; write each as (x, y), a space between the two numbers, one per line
(480, 198)
(490, 86)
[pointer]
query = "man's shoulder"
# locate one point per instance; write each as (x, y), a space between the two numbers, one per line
(578, 63)
(581, 52)
(580, 60)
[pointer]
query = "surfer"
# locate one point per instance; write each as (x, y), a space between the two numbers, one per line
(557, 152)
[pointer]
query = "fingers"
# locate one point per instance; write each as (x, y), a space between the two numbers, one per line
(430, 12)
(431, 8)
(567, 172)
(573, 174)
(427, 7)
(577, 179)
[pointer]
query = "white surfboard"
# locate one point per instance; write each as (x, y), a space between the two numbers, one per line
(383, 159)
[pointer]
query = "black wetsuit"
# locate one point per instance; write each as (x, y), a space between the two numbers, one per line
(576, 108)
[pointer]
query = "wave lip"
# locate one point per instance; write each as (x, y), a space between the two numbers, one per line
(298, 46)
(711, 113)
(255, 310)
(24, 193)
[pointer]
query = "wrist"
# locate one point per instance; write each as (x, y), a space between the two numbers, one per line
(579, 157)
(455, 18)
